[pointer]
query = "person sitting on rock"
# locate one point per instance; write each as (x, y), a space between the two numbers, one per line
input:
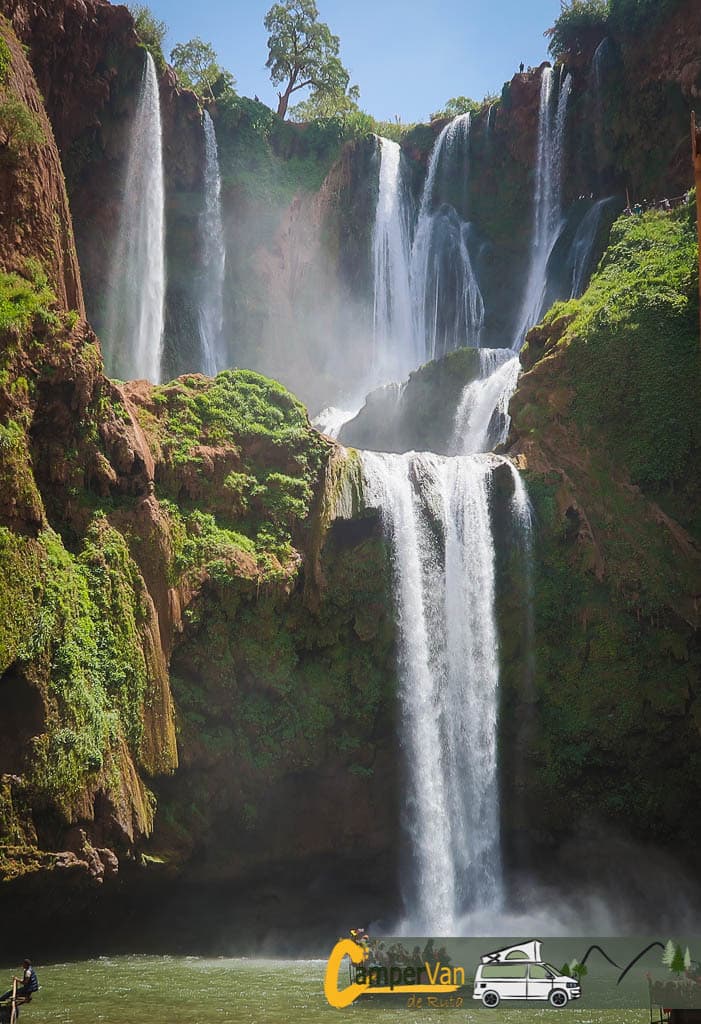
(27, 985)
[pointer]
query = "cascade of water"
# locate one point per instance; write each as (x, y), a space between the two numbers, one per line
(583, 249)
(552, 122)
(214, 356)
(482, 418)
(135, 315)
(490, 118)
(436, 514)
(396, 352)
(332, 419)
(448, 310)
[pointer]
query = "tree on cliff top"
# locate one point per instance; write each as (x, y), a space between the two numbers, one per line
(198, 69)
(457, 105)
(580, 26)
(302, 52)
(150, 30)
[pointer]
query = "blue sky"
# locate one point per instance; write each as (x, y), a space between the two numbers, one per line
(407, 57)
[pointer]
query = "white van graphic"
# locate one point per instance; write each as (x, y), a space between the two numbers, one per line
(519, 972)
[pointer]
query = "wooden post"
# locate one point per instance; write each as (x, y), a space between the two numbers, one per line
(13, 1014)
(696, 154)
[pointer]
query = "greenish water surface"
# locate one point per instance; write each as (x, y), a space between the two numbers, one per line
(194, 990)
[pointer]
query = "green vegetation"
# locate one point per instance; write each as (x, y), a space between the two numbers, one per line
(616, 654)
(302, 52)
(268, 688)
(273, 456)
(198, 69)
(458, 105)
(22, 298)
(151, 31)
(634, 348)
(579, 22)
(5, 61)
(80, 617)
(270, 159)
(583, 23)
(630, 16)
(21, 127)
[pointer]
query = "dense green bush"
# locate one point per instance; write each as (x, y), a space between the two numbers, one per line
(22, 298)
(634, 347)
(5, 61)
(22, 128)
(578, 23)
(151, 31)
(582, 23)
(268, 498)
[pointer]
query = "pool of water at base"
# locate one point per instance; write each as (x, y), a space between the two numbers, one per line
(195, 990)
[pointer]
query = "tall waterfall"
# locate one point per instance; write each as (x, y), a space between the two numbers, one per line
(134, 328)
(436, 514)
(552, 122)
(397, 351)
(446, 299)
(214, 355)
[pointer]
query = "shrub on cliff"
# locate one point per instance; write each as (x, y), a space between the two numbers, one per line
(634, 348)
(20, 126)
(580, 22)
(198, 69)
(151, 31)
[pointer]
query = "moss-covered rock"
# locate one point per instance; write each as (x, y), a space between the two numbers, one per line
(418, 415)
(604, 421)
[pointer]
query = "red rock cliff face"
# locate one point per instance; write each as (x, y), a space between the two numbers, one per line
(88, 63)
(62, 437)
(69, 43)
(34, 217)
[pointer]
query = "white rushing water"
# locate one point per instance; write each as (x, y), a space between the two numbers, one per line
(214, 355)
(552, 123)
(447, 304)
(135, 315)
(482, 417)
(332, 419)
(436, 515)
(396, 352)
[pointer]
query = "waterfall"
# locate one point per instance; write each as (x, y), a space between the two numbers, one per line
(332, 419)
(552, 122)
(436, 514)
(396, 352)
(214, 355)
(448, 309)
(482, 417)
(584, 249)
(134, 328)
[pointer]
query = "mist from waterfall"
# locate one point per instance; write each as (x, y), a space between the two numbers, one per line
(547, 223)
(133, 336)
(437, 518)
(448, 309)
(214, 354)
(396, 351)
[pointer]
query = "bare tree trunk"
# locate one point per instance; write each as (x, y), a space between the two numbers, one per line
(284, 99)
